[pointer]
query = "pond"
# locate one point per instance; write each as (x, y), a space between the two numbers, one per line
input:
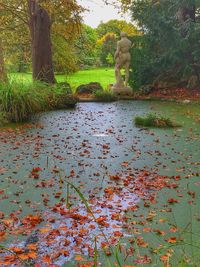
(89, 147)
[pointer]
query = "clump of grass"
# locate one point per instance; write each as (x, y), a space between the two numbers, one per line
(20, 100)
(153, 120)
(104, 96)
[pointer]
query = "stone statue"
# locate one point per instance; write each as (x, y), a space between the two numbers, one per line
(122, 60)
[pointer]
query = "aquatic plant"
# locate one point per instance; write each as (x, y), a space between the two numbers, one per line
(154, 120)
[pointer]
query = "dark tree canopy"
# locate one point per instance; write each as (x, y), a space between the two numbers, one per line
(168, 50)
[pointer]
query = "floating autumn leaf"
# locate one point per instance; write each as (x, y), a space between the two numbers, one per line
(72, 173)
(118, 234)
(56, 170)
(114, 177)
(141, 243)
(172, 240)
(115, 216)
(159, 232)
(36, 169)
(32, 246)
(102, 221)
(151, 215)
(23, 256)
(2, 235)
(32, 255)
(17, 250)
(58, 194)
(109, 190)
(108, 252)
(143, 260)
(173, 229)
(65, 252)
(162, 220)
(105, 146)
(35, 172)
(78, 258)
(172, 201)
(124, 164)
(32, 220)
(147, 230)
(46, 259)
(164, 258)
(45, 230)
(134, 208)
(104, 244)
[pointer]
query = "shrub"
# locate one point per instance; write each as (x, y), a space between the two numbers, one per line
(89, 88)
(153, 120)
(104, 96)
(60, 96)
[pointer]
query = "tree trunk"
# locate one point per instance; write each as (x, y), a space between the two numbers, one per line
(3, 75)
(40, 27)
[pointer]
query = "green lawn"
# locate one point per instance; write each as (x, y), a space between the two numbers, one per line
(105, 76)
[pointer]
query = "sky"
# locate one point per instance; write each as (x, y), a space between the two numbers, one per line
(99, 12)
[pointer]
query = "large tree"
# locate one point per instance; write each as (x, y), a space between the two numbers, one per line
(41, 18)
(40, 29)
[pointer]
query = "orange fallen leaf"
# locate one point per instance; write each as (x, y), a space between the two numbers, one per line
(114, 177)
(173, 229)
(172, 240)
(141, 242)
(2, 235)
(172, 201)
(32, 255)
(46, 259)
(125, 164)
(32, 246)
(78, 258)
(23, 257)
(164, 258)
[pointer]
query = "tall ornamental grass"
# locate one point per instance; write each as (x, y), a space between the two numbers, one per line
(20, 100)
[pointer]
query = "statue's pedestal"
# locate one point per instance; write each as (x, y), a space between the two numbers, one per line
(122, 90)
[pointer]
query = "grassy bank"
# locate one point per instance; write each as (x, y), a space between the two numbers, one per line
(104, 76)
